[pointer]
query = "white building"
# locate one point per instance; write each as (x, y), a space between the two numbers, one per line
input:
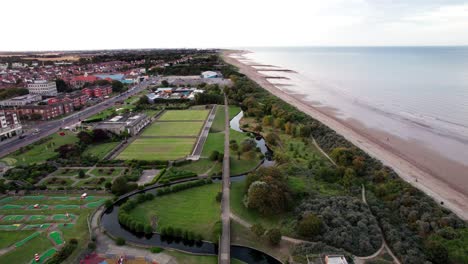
(43, 88)
(9, 125)
(21, 100)
(209, 74)
(3, 66)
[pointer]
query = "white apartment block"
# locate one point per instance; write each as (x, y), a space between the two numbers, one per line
(43, 88)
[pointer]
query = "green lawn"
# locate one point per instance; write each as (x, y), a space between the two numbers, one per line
(100, 150)
(41, 152)
(25, 254)
(201, 166)
(66, 172)
(164, 129)
(106, 172)
(218, 123)
(10, 237)
(184, 115)
(158, 149)
(194, 209)
(184, 258)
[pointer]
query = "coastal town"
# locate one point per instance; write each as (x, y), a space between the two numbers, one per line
(178, 156)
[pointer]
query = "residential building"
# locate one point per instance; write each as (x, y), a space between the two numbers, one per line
(77, 98)
(9, 125)
(80, 81)
(128, 123)
(21, 100)
(43, 87)
(97, 91)
(45, 112)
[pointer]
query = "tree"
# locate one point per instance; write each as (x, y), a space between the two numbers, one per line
(436, 252)
(120, 241)
(272, 139)
(258, 229)
(81, 174)
(267, 120)
(274, 236)
(165, 83)
(248, 145)
(349, 177)
(143, 100)
(214, 155)
(68, 150)
(309, 226)
(121, 186)
(85, 137)
(234, 146)
(62, 86)
(100, 135)
(117, 87)
(342, 156)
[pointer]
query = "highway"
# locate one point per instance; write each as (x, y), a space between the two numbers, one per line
(49, 127)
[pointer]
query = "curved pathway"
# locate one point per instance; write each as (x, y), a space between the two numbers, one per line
(384, 243)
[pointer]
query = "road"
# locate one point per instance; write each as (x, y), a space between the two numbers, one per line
(50, 127)
(225, 241)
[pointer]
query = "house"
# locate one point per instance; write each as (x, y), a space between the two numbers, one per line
(21, 100)
(128, 123)
(210, 74)
(77, 98)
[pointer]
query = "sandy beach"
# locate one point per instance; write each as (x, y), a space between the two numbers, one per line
(419, 166)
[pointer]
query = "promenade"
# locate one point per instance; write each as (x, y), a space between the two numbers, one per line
(225, 240)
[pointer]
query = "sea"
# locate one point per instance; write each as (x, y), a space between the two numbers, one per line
(419, 94)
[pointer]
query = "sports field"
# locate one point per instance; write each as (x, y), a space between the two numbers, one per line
(184, 115)
(169, 129)
(158, 149)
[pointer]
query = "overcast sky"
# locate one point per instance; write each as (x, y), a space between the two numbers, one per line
(113, 24)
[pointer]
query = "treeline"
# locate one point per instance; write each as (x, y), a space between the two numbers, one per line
(411, 221)
(12, 92)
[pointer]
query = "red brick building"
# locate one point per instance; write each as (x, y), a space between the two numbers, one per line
(80, 81)
(78, 99)
(46, 112)
(97, 91)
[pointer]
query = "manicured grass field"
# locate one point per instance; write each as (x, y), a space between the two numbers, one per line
(56, 237)
(194, 209)
(41, 152)
(9, 218)
(184, 115)
(66, 172)
(100, 150)
(61, 205)
(184, 258)
(9, 238)
(26, 253)
(47, 254)
(201, 166)
(218, 123)
(106, 172)
(158, 149)
(26, 239)
(164, 129)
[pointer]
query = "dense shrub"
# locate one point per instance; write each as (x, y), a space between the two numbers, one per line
(345, 223)
(120, 241)
(274, 236)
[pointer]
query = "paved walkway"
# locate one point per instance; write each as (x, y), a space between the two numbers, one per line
(197, 150)
(225, 241)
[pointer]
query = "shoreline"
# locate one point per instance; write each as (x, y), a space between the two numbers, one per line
(368, 140)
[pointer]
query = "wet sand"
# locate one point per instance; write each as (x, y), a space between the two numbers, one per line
(420, 166)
